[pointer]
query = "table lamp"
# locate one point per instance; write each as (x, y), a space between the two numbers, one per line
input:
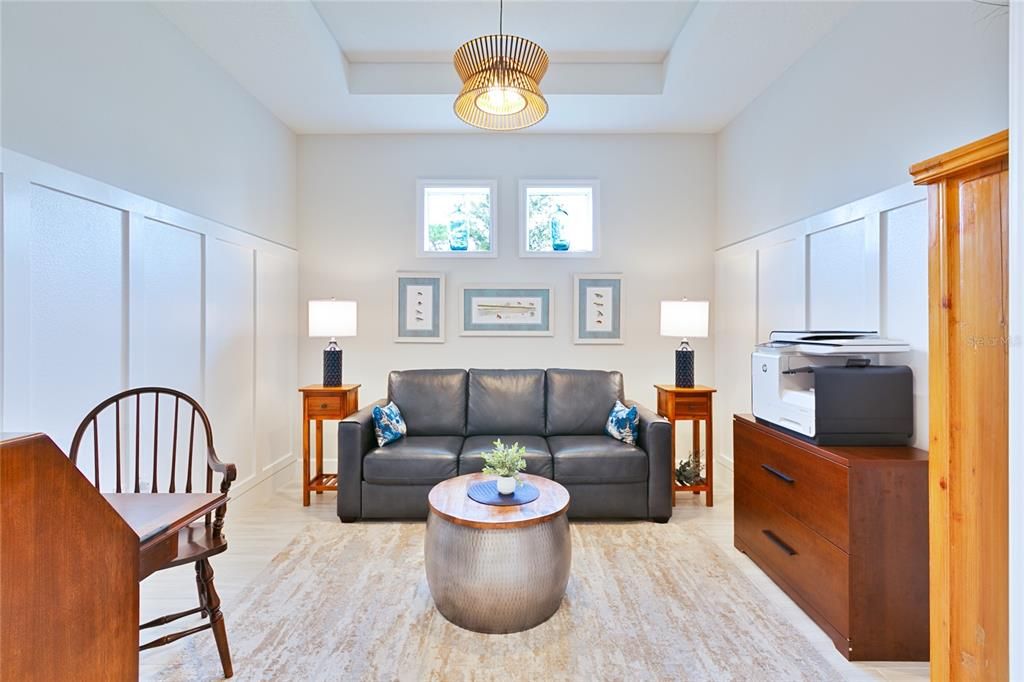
(331, 319)
(683, 319)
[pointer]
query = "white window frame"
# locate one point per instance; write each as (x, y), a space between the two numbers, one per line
(421, 217)
(595, 188)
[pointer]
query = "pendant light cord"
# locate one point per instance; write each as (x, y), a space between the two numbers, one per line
(501, 16)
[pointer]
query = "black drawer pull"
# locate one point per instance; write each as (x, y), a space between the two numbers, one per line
(781, 545)
(775, 472)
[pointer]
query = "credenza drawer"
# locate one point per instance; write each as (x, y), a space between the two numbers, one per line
(811, 488)
(801, 560)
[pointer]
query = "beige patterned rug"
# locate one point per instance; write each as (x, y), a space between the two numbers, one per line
(645, 601)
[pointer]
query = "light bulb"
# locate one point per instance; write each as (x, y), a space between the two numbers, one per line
(500, 101)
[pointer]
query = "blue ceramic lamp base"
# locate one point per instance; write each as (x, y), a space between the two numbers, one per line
(332, 365)
(684, 366)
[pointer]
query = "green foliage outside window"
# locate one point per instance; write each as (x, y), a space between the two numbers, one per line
(478, 212)
(538, 228)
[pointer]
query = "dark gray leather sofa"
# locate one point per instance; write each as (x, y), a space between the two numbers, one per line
(452, 417)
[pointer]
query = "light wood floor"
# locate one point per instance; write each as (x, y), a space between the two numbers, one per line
(260, 531)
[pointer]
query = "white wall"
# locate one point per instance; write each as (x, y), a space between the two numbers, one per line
(357, 215)
(104, 290)
(1016, 257)
(892, 84)
(859, 266)
(115, 92)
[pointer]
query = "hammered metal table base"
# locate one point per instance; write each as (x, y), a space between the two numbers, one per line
(497, 581)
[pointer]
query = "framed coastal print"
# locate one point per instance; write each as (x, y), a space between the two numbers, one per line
(559, 218)
(597, 308)
(419, 307)
(507, 310)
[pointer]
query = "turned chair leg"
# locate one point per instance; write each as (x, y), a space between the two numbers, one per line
(209, 600)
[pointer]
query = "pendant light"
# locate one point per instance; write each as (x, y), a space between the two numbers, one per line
(501, 81)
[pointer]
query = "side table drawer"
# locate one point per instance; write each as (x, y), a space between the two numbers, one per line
(686, 406)
(326, 406)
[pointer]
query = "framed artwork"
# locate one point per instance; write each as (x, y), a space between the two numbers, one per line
(597, 308)
(559, 218)
(507, 310)
(456, 218)
(419, 307)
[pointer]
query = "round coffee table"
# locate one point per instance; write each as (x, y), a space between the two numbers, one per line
(497, 569)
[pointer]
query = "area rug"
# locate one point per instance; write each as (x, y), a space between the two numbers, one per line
(645, 602)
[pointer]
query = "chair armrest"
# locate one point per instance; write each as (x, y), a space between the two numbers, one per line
(356, 437)
(655, 439)
(229, 471)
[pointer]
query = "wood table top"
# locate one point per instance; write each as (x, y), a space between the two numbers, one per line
(450, 501)
(320, 388)
(154, 516)
(672, 388)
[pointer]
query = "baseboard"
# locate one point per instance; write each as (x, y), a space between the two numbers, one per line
(256, 489)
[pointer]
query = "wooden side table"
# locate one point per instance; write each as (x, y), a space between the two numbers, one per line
(320, 403)
(694, 405)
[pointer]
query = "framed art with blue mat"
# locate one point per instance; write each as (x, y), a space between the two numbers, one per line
(486, 492)
(597, 308)
(419, 307)
(507, 310)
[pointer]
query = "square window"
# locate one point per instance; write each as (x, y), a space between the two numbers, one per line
(558, 218)
(456, 218)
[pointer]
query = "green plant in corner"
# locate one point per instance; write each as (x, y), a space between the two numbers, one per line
(505, 460)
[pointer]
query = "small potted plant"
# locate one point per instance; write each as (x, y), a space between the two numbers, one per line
(690, 472)
(505, 462)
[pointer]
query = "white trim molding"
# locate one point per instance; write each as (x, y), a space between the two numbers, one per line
(181, 301)
(1016, 407)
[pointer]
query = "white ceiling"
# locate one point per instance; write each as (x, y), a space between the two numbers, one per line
(368, 66)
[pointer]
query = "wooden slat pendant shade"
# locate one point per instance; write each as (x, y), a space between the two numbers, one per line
(501, 82)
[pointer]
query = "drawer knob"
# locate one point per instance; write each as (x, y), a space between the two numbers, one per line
(779, 543)
(775, 472)
(323, 406)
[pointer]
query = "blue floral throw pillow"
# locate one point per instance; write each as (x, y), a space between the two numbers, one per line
(623, 423)
(388, 424)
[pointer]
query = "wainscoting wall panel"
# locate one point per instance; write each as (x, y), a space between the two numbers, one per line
(859, 266)
(104, 290)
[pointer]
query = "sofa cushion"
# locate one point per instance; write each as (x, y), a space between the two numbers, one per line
(432, 401)
(538, 457)
(507, 401)
(596, 459)
(413, 460)
(579, 400)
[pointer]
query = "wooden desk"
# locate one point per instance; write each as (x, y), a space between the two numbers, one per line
(157, 517)
(75, 551)
(320, 403)
(694, 405)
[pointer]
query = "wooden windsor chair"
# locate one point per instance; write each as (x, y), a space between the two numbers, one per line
(196, 542)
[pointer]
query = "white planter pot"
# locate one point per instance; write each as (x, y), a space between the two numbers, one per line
(506, 485)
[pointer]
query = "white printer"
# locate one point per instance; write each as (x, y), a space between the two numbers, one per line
(829, 388)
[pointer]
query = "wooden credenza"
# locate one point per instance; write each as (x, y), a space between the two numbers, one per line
(843, 531)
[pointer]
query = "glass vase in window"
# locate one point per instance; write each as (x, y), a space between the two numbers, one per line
(559, 242)
(458, 230)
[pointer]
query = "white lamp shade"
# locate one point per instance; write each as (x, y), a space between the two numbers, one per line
(683, 319)
(332, 318)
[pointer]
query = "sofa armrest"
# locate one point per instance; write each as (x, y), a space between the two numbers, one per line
(656, 440)
(356, 437)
